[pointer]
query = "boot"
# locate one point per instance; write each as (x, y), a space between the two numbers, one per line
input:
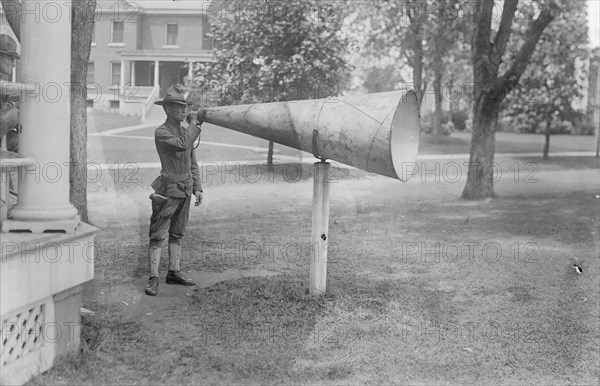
(153, 260)
(174, 277)
(152, 286)
(174, 274)
(174, 256)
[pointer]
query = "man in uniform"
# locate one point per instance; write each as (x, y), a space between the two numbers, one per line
(9, 118)
(9, 111)
(179, 178)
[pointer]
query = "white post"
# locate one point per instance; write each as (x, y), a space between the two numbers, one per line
(46, 62)
(320, 229)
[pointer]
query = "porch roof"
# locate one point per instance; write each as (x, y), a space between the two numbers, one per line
(161, 55)
(170, 7)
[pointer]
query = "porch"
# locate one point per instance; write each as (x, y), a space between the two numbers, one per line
(146, 75)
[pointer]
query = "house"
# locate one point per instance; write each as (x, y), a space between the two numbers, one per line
(47, 252)
(141, 48)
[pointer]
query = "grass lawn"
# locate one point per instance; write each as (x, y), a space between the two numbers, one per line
(460, 143)
(101, 121)
(423, 288)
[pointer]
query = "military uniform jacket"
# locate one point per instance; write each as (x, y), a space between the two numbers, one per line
(179, 175)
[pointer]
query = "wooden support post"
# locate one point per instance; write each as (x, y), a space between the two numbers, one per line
(320, 229)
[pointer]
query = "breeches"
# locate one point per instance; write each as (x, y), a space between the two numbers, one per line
(171, 219)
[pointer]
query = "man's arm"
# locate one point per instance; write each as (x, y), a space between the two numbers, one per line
(195, 173)
(196, 178)
(181, 142)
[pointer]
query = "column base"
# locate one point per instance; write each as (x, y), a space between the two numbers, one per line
(64, 226)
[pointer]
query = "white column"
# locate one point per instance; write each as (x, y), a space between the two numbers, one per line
(122, 80)
(190, 72)
(156, 73)
(132, 65)
(45, 117)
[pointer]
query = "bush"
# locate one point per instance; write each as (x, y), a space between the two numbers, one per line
(427, 121)
(459, 119)
(447, 128)
(585, 127)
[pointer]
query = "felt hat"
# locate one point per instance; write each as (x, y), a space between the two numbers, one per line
(173, 95)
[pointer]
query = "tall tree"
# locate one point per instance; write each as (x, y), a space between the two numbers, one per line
(427, 32)
(275, 52)
(401, 24)
(447, 29)
(82, 24)
(81, 38)
(554, 76)
(491, 86)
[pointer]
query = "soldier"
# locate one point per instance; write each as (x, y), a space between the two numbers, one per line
(9, 111)
(179, 178)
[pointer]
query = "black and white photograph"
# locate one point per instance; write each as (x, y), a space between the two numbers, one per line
(300, 192)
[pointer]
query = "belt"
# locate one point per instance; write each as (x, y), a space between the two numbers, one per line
(176, 177)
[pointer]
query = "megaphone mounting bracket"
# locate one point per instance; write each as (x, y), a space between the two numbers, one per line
(315, 146)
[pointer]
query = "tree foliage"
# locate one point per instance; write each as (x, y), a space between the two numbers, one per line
(428, 35)
(277, 52)
(554, 81)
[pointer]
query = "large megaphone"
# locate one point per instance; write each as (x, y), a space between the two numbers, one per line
(378, 132)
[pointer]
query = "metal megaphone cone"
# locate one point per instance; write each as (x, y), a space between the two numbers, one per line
(377, 132)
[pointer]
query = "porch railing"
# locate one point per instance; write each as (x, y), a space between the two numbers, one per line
(12, 164)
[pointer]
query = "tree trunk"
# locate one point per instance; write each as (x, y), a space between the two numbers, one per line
(437, 115)
(81, 39)
(480, 182)
(547, 135)
(417, 60)
(270, 156)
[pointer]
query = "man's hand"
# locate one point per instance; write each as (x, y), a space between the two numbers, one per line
(198, 195)
(201, 116)
(190, 117)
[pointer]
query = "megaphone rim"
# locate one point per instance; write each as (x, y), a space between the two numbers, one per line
(405, 133)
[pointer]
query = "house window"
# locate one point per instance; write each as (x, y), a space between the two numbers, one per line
(171, 34)
(115, 73)
(118, 32)
(90, 73)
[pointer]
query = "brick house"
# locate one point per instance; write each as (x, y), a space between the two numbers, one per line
(141, 48)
